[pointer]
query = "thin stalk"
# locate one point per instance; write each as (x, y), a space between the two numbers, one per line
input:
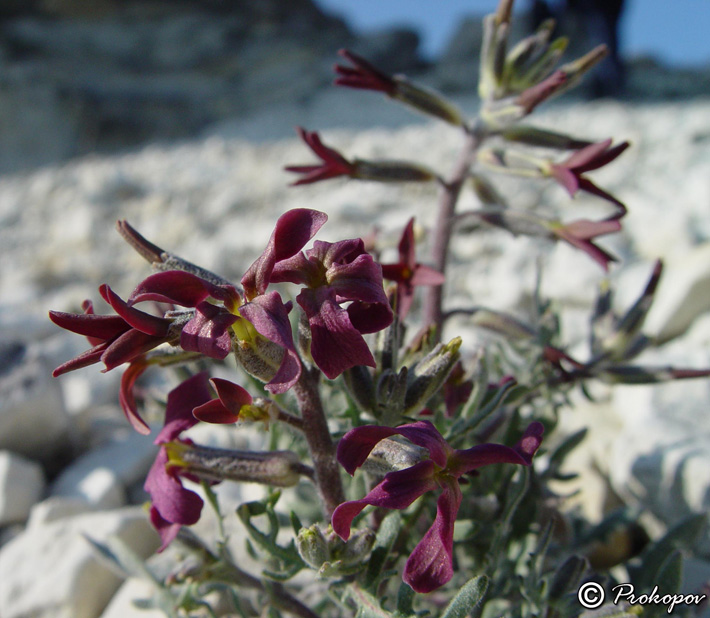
(320, 444)
(448, 198)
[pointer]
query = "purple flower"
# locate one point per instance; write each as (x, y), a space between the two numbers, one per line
(332, 273)
(172, 505)
(409, 273)
(570, 173)
(211, 328)
(430, 565)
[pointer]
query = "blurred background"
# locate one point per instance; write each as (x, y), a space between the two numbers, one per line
(79, 76)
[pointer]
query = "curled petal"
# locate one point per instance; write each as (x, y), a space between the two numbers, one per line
(97, 327)
(364, 75)
(140, 320)
(126, 347)
(464, 461)
(182, 400)
(225, 409)
(127, 399)
(207, 333)
(181, 288)
(430, 565)
(291, 233)
(396, 491)
(84, 359)
(370, 317)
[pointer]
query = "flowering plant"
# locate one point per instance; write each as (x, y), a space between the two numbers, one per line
(342, 370)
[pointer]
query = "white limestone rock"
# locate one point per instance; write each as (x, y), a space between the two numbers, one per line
(102, 475)
(51, 571)
(33, 420)
(21, 486)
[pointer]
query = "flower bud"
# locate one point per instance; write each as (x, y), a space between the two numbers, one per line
(356, 549)
(533, 136)
(502, 324)
(429, 374)
(390, 393)
(275, 468)
(426, 101)
(391, 171)
(312, 546)
(360, 386)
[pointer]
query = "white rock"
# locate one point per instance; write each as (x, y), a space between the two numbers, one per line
(122, 604)
(683, 293)
(33, 420)
(662, 453)
(21, 486)
(50, 571)
(102, 475)
(54, 508)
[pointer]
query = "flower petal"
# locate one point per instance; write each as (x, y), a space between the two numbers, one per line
(181, 288)
(126, 398)
(225, 409)
(464, 461)
(140, 320)
(291, 233)
(103, 327)
(396, 491)
(182, 400)
(171, 500)
(430, 565)
(207, 332)
(335, 343)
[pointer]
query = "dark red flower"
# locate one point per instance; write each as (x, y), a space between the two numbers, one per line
(334, 164)
(333, 273)
(172, 505)
(363, 75)
(430, 565)
(409, 273)
(581, 233)
(570, 173)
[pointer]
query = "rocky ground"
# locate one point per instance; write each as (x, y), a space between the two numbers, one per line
(70, 466)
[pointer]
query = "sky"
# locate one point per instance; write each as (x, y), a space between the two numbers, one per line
(676, 32)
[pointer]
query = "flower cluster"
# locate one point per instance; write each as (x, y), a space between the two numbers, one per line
(345, 383)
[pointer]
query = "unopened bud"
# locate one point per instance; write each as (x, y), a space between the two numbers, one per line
(391, 171)
(502, 324)
(356, 549)
(360, 386)
(390, 394)
(426, 101)
(312, 546)
(576, 69)
(274, 468)
(533, 136)
(429, 374)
